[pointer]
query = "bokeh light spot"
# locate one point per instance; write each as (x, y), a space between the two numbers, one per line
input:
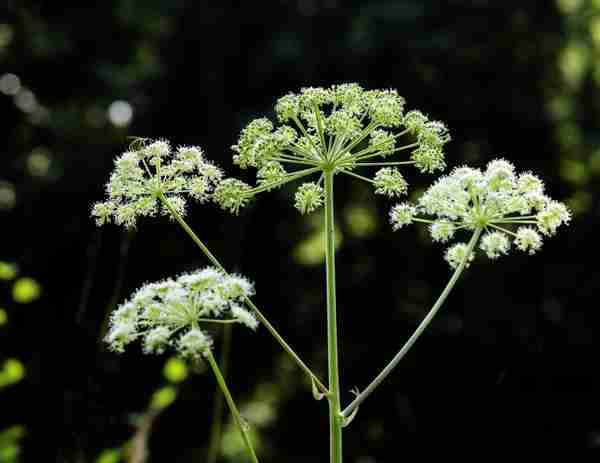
(8, 271)
(38, 162)
(175, 370)
(6, 36)
(109, 456)
(164, 397)
(10, 84)
(569, 6)
(120, 113)
(8, 196)
(12, 372)
(361, 221)
(26, 290)
(26, 101)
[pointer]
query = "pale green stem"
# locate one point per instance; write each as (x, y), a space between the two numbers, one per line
(320, 179)
(365, 133)
(301, 152)
(506, 217)
(214, 320)
(291, 160)
(288, 178)
(247, 300)
(387, 153)
(305, 133)
(347, 172)
(416, 219)
(336, 150)
(231, 404)
(503, 229)
(381, 164)
(390, 366)
(217, 417)
(335, 424)
(534, 222)
(376, 147)
(319, 124)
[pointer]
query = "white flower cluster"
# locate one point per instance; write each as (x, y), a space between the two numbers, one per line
(172, 312)
(341, 128)
(143, 175)
(497, 201)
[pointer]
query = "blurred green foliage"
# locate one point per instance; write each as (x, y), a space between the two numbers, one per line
(110, 456)
(175, 370)
(163, 397)
(311, 249)
(11, 372)
(26, 290)
(10, 444)
(8, 271)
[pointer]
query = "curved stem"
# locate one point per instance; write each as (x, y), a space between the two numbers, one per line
(247, 300)
(217, 418)
(231, 404)
(390, 366)
(335, 425)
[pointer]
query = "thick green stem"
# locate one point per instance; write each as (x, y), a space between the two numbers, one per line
(335, 424)
(231, 404)
(217, 418)
(390, 366)
(250, 304)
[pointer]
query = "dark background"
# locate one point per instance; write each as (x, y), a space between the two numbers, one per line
(510, 363)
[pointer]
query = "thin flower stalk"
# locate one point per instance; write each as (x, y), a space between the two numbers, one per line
(172, 314)
(469, 199)
(242, 427)
(359, 399)
(261, 318)
(214, 445)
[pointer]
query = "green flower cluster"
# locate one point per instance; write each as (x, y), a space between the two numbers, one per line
(171, 312)
(342, 129)
(494, 200)
(153, 171)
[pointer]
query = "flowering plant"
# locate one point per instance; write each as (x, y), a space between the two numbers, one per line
(325, 132)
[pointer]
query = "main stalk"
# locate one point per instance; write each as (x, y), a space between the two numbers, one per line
(335, 429)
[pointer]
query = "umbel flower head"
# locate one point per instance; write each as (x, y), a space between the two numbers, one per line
(340, 129)
(173, 313)
(510, 208)
(149, 172)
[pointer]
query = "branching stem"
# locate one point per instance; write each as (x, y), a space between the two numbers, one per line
(247, 300)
